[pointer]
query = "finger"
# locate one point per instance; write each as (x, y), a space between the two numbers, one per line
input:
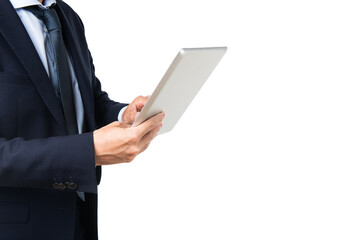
(129, 113)
(149, 136)
(139, 108)
(140, 102)
(144, 147)
(141, 99)
(136, 115)
(150, 124)
(133, 113)
(137, 103)
(134, 107)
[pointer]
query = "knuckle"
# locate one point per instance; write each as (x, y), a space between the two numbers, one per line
(133, 151)
(147, 145)
(130, 158)
(133, 137)
(115, 124)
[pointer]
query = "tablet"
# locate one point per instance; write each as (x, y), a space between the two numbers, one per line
(180, 84)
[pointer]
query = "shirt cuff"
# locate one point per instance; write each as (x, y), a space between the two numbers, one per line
(121, 113)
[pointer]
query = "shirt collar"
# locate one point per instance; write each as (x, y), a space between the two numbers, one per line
(25, 3)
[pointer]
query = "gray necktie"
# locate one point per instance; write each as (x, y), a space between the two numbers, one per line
(60, 71)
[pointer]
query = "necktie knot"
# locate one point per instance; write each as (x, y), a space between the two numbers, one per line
(48, 16)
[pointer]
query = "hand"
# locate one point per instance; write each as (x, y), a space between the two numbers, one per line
(120, 143)
(133, 110)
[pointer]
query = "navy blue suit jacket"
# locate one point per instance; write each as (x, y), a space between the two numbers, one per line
(41, 168)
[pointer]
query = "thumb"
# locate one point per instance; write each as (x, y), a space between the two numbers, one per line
(115, 124)
(118, 124)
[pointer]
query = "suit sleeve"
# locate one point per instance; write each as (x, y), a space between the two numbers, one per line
(63, 163)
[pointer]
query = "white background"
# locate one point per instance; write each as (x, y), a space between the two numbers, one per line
(269, 149)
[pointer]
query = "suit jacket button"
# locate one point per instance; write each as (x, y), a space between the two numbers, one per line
(62, 186)
(73, 186)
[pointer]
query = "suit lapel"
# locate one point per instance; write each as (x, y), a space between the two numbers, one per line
(81, 71)
(15, 34)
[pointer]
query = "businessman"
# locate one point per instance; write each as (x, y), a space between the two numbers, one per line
(57, 126)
